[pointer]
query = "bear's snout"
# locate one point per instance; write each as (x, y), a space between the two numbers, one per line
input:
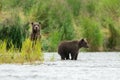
(36, 27)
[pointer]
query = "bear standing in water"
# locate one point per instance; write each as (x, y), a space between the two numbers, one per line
(71, 47)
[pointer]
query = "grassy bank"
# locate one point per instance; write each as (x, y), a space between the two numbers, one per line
(28, 53)
(97, 21)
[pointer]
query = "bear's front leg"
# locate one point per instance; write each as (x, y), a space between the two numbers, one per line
(74, 55)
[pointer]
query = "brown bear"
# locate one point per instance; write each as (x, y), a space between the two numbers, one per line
(71, 47)
(36, 26)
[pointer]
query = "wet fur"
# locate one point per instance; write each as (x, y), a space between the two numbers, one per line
(67, 48)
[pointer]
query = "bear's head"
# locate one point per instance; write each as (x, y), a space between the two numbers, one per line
(36, 27)
(83, 43)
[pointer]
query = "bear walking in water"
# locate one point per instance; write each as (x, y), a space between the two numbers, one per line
(71, 47)
(35, 31)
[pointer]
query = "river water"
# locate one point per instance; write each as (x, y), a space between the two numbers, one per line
(89, 66)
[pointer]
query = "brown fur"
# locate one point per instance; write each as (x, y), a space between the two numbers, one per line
(71, 47)
(36, 27)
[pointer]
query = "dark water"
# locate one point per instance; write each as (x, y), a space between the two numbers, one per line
(89, 66)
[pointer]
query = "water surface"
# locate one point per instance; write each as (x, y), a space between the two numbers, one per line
(89, 66)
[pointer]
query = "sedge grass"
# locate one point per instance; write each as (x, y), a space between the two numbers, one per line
(29, 53)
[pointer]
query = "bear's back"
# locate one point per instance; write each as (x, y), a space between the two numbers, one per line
(68, 45)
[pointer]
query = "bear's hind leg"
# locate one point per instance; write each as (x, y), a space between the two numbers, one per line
(62, 58)
(67, 56)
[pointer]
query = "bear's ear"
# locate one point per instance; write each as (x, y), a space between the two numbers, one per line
(39, 22)
(32, 23)
(82, 40)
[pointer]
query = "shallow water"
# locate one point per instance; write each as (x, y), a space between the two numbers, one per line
(89, 66)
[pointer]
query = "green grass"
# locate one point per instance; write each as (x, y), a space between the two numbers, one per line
(92, 33)
(62, 20)
(29, 53)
